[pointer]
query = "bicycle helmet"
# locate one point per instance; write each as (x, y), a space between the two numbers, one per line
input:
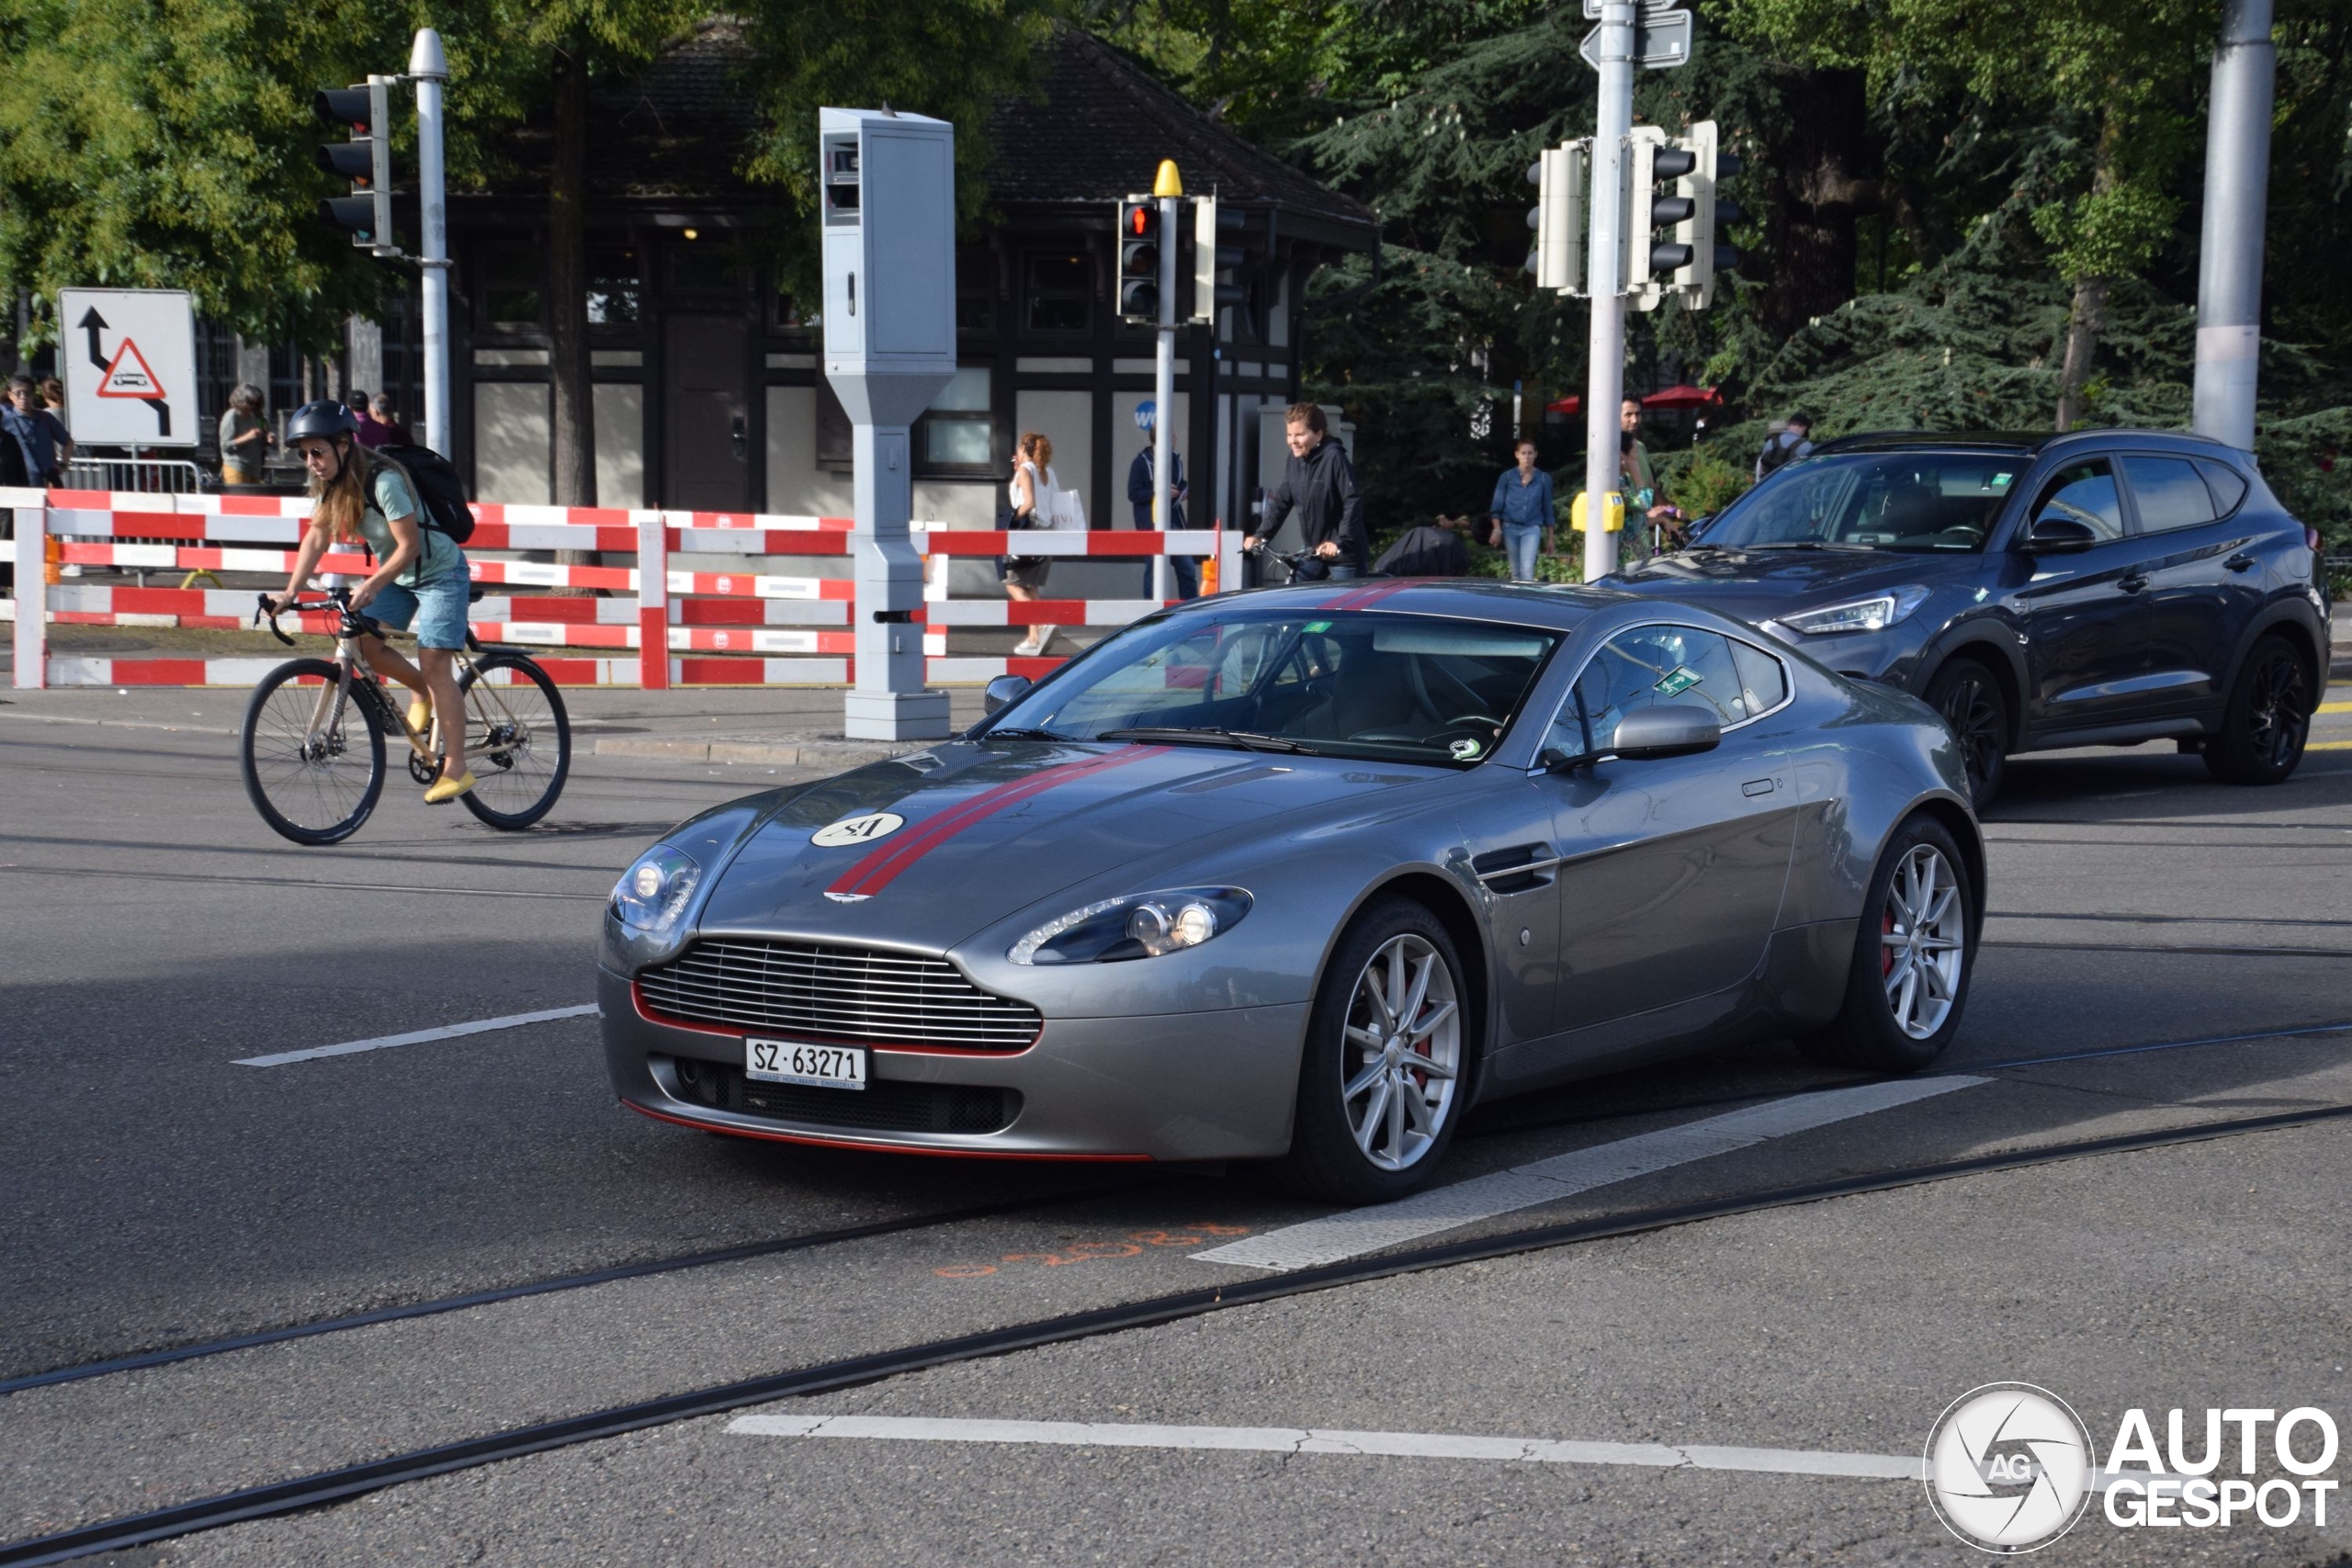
(325, 420)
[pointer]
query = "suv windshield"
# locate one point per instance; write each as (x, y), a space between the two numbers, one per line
(1339, 683)
(1919, 502)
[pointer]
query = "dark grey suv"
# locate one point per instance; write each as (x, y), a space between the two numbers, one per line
(2100, 588)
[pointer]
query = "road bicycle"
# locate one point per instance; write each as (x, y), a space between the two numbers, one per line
(313, 742)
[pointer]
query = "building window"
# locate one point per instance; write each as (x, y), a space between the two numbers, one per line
(1060, 293)
(509, 295)
(976, 292)
(613, 289)
(957, 434)
(792, 316)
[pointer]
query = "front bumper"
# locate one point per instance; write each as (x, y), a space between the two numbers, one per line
(1197, 1086)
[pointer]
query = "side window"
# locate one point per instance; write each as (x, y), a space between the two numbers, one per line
(2084, 494)
(1644, 668)
(2228, 485)
(2169, 493)
(1763, 681)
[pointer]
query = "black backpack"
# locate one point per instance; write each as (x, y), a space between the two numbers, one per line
(438, 489)
(1778, 450)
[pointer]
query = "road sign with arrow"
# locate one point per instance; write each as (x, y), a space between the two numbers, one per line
(130, 367)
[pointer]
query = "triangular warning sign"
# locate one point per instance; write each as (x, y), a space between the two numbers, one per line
(129, 375)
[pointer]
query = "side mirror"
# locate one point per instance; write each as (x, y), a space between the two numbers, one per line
(2059, 537)
(1002, 692)
(1677, 730)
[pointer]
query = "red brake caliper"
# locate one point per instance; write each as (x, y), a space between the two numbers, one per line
(1886, 954)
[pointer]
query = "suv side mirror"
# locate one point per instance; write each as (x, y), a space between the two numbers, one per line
(2058, 536)
(1677, 730)
(1002, 692)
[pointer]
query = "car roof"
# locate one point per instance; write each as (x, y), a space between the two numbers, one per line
(2024, 443)
(1554, 607)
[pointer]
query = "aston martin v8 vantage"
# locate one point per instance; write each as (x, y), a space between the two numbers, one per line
(1303, 874)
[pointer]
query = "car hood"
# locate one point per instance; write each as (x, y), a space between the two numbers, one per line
(986, 830)
(1756, 585)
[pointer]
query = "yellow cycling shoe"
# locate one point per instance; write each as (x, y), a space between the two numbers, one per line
(446, 789)
(420, 713)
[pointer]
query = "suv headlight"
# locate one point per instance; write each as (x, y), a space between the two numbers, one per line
(652, 893)
(1142, 925)
(1873, 614)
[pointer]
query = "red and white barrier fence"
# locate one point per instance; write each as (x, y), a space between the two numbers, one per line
(656, 618)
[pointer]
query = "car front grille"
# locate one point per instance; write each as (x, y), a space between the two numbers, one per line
(857, 995)
(883, 1105)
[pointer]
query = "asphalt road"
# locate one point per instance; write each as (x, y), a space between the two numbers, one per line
(162, 1195)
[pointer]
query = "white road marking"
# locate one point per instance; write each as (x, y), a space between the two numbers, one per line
(1358, 1231)
(417, 1037)
(1317, 1441)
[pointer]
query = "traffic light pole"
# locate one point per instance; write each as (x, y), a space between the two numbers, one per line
(1605, 375)
(1163, 381)
(2237, 179)
(430, 68)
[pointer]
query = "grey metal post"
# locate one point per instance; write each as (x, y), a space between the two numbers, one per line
(1605, 376)
(1163, 391)
(2237, 187)
(430, 68)
(32, 546)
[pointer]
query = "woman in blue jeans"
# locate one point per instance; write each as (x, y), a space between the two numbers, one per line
(421, 575)
(1522, 505)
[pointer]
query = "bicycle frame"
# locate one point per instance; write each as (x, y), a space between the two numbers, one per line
(327, 713)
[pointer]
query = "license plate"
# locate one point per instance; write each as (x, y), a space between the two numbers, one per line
(789, 1061)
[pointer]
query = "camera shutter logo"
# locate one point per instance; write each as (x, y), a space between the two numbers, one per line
(2009, 1467)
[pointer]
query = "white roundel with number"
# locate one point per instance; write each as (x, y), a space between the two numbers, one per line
(858, 829)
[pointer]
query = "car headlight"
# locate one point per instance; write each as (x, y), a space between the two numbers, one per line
(1873, 614)
(1142, 925)
(652, 893)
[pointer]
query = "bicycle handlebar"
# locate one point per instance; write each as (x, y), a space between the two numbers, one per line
(354, 623)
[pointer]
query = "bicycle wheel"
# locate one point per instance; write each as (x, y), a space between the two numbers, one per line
(519, 741)
(314, 759)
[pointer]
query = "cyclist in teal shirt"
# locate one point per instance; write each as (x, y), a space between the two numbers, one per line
(421, 575)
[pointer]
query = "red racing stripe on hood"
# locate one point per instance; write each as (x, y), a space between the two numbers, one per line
(879, 866)
(1358, 598)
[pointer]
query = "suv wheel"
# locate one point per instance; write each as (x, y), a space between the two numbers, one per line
(1969, 697)
(2268, 721)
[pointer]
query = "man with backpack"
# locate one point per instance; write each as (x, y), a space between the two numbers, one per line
(1792, 441)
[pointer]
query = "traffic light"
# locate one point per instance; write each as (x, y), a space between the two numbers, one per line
(366, 161)
(1140, 242)
(1214, 259)
(1557, 216)
(1651, 156)
(1694, 279)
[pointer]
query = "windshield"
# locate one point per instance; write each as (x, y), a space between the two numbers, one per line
(1915, 501)
(1401, 688)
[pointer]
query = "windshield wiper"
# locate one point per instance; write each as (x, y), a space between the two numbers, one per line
(1249, 739)
(1024, 735)
(1791, 545)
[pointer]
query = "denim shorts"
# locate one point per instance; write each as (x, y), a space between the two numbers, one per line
(438, 608)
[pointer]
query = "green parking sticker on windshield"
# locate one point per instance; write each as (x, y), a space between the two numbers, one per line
(1318, 626)
(1677, 681)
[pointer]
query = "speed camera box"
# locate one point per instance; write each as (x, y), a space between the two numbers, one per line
(889, 206)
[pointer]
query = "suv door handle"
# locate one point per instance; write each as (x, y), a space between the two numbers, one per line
(2134, 583)
(2239, 562)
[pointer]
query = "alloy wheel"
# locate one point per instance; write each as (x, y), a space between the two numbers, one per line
(2276, 721)
(1404, 1052)
(1922, 941)
(1972, 709)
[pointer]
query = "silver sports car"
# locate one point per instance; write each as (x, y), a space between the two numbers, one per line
(1304, 874)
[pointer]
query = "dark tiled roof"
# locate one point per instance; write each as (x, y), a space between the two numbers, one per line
(1101, 125)
(1096, 132)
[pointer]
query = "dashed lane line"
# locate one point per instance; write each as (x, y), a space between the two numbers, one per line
(1323, 1441)
(1358, 1231)
(415, 1037)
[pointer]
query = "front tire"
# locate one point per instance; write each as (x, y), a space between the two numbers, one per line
(2268, 720)
(1913, 953)
(313, 772)
(1970, 698)
(1387, 1055)
(519, 741)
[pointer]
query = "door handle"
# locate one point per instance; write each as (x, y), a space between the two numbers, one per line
(1758, 787)
(2239, 562)
(742, 443)
(2134, 583)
